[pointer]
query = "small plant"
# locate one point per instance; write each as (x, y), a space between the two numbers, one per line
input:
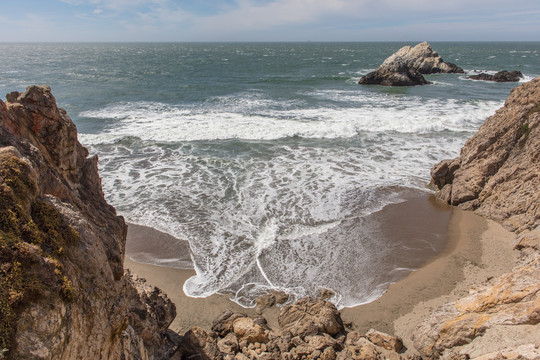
(3, 353)
(524, 130)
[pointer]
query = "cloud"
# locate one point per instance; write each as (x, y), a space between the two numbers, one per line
(295, 20)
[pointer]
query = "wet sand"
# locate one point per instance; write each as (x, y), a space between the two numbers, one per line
(476, 249)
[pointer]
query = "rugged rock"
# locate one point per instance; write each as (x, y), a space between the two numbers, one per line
(307, 317)
(501, 76)
(63, 291)
(406, 66)
(513, 299)
(498, 171)
(425, 60)
(311, 329)
(524, 352)
(394, 71)
(498, 175)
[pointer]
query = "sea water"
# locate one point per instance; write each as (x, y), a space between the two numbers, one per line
(268, 157)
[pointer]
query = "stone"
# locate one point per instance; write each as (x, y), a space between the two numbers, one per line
(362, 350)
(223, 324)
(228, 344)
(523, 352)
(328, 354)
(386, 341)
(197, 343)
(311, 317)
(246, 329)
(501, 76)
(321, 342)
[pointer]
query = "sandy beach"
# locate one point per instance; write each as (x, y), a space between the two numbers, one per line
(476, 250)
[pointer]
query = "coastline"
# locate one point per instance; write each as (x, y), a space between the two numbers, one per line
(476, 250)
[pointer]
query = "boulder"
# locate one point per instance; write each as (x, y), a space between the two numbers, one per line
(386, 341)
(501, 76)
(246, 329)
(311, 317)
(394, 71)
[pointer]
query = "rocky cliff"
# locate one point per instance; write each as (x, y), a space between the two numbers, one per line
(63, 293)
(498, 171)
(497, 175)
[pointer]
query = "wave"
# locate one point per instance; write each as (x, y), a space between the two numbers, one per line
(255, 118)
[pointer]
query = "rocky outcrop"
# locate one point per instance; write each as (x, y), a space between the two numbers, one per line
(309, 329)
(501, 76)
(393, 72)
(498, 171)
(497, 175)
(406, 66)
(63, 293)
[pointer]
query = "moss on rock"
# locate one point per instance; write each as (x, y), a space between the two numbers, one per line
(33, 239)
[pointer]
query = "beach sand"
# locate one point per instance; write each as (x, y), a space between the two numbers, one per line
(476, 250)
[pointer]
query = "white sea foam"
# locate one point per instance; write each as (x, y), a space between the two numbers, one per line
(266, 219)
(259, 119)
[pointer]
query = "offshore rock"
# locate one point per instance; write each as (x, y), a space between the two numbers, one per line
(63, 291)
(406, 66)
(394, 71)
(501, 76)
(425, 60)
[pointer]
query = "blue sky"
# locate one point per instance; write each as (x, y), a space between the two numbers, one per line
(269, 20)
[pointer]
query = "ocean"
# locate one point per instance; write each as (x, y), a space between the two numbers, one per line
(268, 158)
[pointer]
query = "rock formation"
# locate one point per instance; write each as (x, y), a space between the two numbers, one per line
(309, 329)
(406, 66)
(63, 291)
(393, 72)
(501, 76)
(497, 175)
(425, 60)
(498, 171)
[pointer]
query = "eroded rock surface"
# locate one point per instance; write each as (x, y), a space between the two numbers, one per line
(425, 60)
(498, 171)
(394, 71)
(406, 66)
(309, 329)
(64, 294)
(497, 175)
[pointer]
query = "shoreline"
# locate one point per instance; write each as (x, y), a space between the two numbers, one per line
(470, 257)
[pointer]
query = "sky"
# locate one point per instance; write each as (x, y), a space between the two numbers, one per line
(268, 20)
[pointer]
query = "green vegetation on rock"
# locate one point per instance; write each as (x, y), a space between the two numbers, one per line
(33, 240)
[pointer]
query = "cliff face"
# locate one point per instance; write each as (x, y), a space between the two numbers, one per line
(498, 171)
(64, 294)
(497, 175)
